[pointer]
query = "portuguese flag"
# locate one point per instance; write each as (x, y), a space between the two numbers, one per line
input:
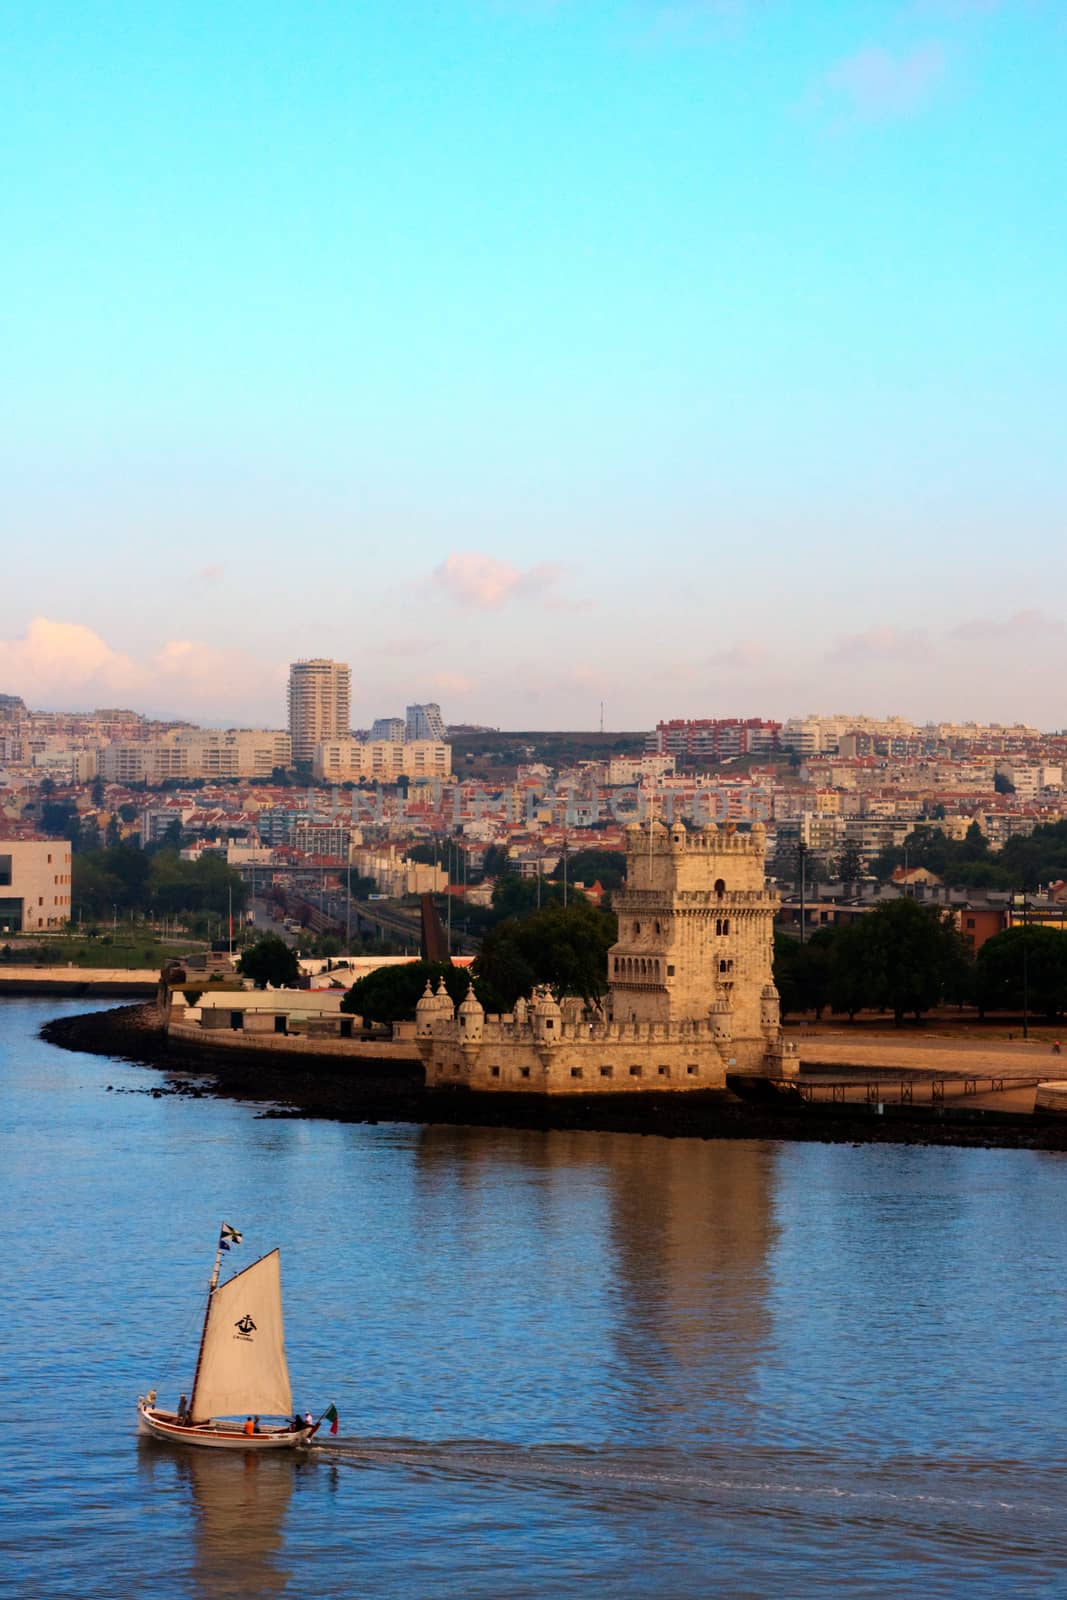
(330, 1416)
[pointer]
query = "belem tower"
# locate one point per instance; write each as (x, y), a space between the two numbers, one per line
(690, 995)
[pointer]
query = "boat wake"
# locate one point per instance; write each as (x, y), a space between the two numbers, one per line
(979, 1500)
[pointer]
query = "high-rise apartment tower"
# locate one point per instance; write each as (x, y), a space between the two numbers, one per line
(319, 693)
(425, 722)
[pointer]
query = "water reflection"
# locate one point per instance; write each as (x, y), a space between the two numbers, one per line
(691, 1225)
(670, 1238)
(237, 1503)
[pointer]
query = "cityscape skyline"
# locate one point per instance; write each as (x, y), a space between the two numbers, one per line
(701, 358)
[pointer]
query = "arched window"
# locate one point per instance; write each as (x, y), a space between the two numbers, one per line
(720, 888)
(637, 927)
(725, 924)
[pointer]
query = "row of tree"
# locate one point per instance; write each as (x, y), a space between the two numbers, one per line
(156, 882)
(902, 957)
(1023, 862)
(908, 958)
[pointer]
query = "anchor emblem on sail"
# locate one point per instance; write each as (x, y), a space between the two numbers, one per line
(246, 1327)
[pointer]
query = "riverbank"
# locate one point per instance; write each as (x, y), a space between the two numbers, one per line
(72, 982)
(375, 1092)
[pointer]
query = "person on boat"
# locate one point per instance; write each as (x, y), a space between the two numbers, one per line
(183, 1410)
(250, 1427)
(309, 1420)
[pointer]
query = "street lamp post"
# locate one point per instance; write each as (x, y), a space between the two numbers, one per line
(802, 853)
(1020, 902)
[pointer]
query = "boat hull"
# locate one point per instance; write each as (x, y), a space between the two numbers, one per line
(164, 1425)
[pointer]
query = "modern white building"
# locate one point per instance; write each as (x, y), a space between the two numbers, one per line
(392, 729)
(383, 761)
(196, 753)
(425, 722)
(319, 704)
(34, 884)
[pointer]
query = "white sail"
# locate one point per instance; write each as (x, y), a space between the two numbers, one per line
(243, 1370)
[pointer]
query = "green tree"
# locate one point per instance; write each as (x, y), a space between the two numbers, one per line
(902, 957)
(390, 994)
(565, 947)
(517, 897)
(852, 986)
(589, 866)
(495, 862)
(96, 793)
(1005, 982)
(113, 835)
(270, 960)
(60, 820)
(850, 864)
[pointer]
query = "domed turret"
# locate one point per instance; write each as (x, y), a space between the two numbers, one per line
(443, 1000)
(425, 1012)
(471, 1016)
(547, 1018)
(722, 1019)
(769, 1013)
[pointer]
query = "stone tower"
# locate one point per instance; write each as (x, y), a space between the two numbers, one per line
(695, 937)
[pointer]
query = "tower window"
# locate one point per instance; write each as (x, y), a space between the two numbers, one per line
(670, 972)
(720, 887)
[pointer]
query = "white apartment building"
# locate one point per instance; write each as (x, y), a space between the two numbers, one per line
(34, 884)
(425, 722)
(381, 760)
(319, 697)
(199, 753)
(393, 729)
(396, 876)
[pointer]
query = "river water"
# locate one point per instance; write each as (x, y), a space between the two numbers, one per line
(565, 1364)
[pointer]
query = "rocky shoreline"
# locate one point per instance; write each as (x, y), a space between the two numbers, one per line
(372, 1092)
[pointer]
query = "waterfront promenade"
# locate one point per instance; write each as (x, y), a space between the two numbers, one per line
(1017, 1063)
(103, 982)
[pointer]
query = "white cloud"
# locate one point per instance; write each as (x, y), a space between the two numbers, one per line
(487, 584)
(882, 643)
(64, 658)
(68, 666)
(874, 84)
(1021, 625)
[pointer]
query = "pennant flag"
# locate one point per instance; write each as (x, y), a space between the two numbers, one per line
(330, 1416)
(228, 1236)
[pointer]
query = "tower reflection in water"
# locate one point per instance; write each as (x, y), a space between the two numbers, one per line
(662, 1247)
(237, 1507)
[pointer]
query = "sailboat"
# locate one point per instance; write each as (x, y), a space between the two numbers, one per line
(241, 1374)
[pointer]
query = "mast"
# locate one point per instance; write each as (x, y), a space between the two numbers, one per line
(212, 1286)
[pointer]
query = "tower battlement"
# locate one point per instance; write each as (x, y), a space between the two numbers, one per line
(690, 994)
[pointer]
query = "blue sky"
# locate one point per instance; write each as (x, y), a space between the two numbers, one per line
(701, 358)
